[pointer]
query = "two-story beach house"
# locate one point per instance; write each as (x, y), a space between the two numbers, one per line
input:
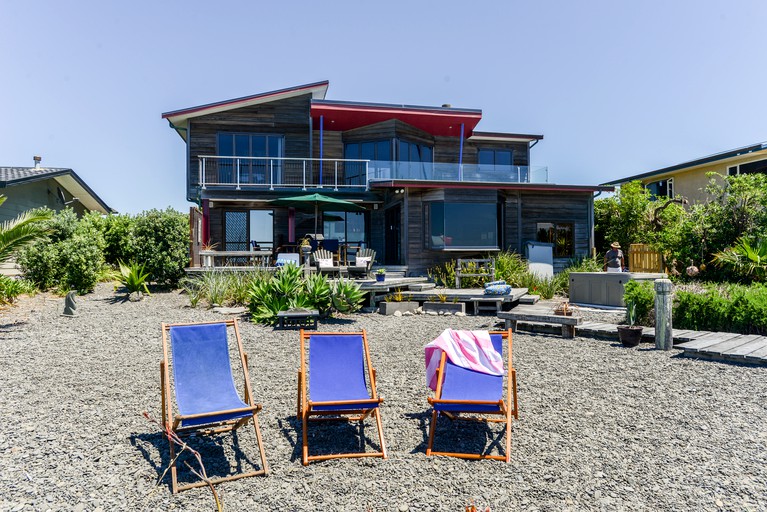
(431, 187)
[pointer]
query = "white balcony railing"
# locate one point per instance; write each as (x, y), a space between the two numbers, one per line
(267, 173)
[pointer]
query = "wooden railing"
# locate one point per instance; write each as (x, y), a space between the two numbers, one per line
(643, 258)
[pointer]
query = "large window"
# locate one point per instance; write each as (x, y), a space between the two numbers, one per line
(497, 163)
(462, 226)
(414, 160)
(243, 227)
(378, 152)
(344, 226)
(560, 234)
(249, 144)
(661, 188)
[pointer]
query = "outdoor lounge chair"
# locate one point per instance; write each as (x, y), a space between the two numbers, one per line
(325, 263)
(464, 391)
(333, 386)
(362, 271)
(207, 400)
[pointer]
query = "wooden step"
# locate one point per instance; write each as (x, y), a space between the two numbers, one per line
(529, 299)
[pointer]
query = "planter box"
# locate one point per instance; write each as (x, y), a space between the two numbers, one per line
(447, 307)
(388, 308)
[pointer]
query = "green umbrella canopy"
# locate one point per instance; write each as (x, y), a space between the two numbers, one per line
(318, 202)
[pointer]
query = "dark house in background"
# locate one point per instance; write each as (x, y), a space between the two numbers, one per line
(53, 187)
(434, 188)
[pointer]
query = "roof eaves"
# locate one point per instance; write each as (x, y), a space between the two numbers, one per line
(693, 163)
(321, 89)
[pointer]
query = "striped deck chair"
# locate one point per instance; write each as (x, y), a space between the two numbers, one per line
(479, 395)
(207, 400)
(333, 385)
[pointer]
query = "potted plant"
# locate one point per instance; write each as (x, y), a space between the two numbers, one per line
(564, 308)
(630, 335)
(381, 275)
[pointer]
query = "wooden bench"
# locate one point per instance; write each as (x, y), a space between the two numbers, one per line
(542, 315)
(473, 268)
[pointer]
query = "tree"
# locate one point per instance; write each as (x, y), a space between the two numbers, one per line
(22, 231)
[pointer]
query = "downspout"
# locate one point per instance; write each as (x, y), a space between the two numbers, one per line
(460, 156)
(322, 120)
(592, 236)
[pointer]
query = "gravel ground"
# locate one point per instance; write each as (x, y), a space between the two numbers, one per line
(601, 427)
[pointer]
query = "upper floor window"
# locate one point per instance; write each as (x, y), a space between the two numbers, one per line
(249, 145)
(414, 152)
(376, 151)
(661, 188)
(759, 166)
(488, 157)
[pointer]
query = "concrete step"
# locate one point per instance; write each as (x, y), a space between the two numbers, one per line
(529, 299)
(419, 287)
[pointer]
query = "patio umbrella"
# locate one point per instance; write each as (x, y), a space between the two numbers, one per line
(317, 202)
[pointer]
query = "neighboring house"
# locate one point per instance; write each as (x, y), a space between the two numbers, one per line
(56, 188)
(689, 179)
(433, 187)
(34, 187)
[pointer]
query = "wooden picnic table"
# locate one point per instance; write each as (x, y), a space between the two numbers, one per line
(257, 257)
(542, 314)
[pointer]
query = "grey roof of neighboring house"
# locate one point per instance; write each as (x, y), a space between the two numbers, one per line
(692, 163)
(11, 176)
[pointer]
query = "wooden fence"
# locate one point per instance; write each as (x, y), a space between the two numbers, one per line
(643, 258)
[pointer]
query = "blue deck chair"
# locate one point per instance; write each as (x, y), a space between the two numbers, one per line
(207, 400)
(333, 385)
(464, 391)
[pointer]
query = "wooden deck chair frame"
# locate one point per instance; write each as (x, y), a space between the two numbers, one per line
(507, 408)
(306, 413)
(173, 422)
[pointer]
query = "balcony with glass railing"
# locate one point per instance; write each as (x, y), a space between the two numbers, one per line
(262, 173)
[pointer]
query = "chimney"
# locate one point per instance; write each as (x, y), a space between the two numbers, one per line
(37, 160)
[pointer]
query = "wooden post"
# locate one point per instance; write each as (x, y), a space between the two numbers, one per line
(664, 339)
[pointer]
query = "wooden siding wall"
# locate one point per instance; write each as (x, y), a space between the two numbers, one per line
(288, 117)
(560, 207)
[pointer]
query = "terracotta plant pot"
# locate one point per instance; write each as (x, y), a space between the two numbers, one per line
(630, 335)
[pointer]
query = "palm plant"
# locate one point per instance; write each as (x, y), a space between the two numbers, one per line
(21, 231)
(745, 259)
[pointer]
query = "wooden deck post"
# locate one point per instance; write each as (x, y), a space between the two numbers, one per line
(664, 339)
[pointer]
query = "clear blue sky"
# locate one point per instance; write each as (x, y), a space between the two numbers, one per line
(616, 88)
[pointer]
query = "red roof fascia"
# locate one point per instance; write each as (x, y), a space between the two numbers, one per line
(436, 122)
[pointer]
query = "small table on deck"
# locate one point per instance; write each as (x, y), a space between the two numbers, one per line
(305, 318)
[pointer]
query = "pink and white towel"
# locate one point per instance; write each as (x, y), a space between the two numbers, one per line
(469, 349)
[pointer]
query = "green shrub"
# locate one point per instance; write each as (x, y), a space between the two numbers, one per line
(642, 295)
(70, 257)
(162, 244)
(733, 308)
(443, 275)
(119, 238)
(81, 258)
(40, 264)
(11, 288)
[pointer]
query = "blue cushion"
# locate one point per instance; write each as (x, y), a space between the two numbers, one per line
(495, 283)
(498, 289)
(281, 262)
